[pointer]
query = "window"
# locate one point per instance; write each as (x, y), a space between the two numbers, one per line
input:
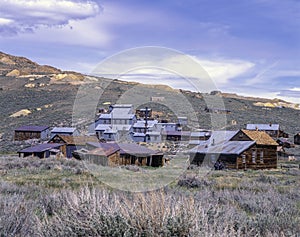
(254, 155)
(244, 159)
(213, 158)
(261, 157)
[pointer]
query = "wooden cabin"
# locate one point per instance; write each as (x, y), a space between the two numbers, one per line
(72, 143)
(230, 153)
(263, 155)
(243, 150)
(31, 132)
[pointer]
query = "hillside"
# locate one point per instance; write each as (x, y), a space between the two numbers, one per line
(43, 95)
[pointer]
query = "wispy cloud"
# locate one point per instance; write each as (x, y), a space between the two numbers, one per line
(25, 15)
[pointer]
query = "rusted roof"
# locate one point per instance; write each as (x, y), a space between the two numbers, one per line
(104, 151)
(76, 140)
(260, 137)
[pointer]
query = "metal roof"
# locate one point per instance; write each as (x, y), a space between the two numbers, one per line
(200, 134)
(229, 147)
(126, 148)
(31, 128)
(176, 133)
(264, 127)
(141, 123)
(105, 116)
(102, 127)
(41, 148)
(63, 130)
(139, 134)
(221, 136)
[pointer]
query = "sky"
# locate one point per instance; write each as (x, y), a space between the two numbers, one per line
(246, 47)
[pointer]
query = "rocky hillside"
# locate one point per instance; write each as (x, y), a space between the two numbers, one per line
(43, 95)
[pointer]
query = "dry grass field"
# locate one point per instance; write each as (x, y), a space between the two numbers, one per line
(64, 198)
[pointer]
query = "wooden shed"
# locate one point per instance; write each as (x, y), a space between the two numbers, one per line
(133, 154)
(31, 132)
(72, 143)
(106, 155)
(42, 150)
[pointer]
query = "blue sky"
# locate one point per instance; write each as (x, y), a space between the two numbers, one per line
(248, 47)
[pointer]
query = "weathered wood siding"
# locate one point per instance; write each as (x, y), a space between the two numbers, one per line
(267, 161)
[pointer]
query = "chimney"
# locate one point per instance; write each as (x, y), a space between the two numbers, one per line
(213, 142)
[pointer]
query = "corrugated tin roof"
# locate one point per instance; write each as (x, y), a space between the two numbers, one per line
(102, 127)
(264, 127)
(177, 133)
(63, 130)
(126, 148)
(31, 128)
(261, 137)
(221, 136)
(228, 147)
(40, 148)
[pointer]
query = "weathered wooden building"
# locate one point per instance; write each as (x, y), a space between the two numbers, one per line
(132, 154)
(72, 143)
(106, 155)
(31, 132)
(263, 155)
(42, 150)
(243, 150)
(230, 153)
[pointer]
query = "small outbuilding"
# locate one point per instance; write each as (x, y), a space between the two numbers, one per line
(42, 150)
(31, 132)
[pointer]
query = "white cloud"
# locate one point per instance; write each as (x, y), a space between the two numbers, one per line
(20, 14)
(5, 21)
(166, 66)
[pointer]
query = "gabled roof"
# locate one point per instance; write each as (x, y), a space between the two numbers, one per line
(75, 140)
(31, 128)
(227, 148)
(40, 148)
(63, 130)
(260, 137)
(263, 127)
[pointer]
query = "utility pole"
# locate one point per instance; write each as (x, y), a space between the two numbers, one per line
(146, 124)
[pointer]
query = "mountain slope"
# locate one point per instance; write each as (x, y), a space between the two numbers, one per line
(49, 95)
